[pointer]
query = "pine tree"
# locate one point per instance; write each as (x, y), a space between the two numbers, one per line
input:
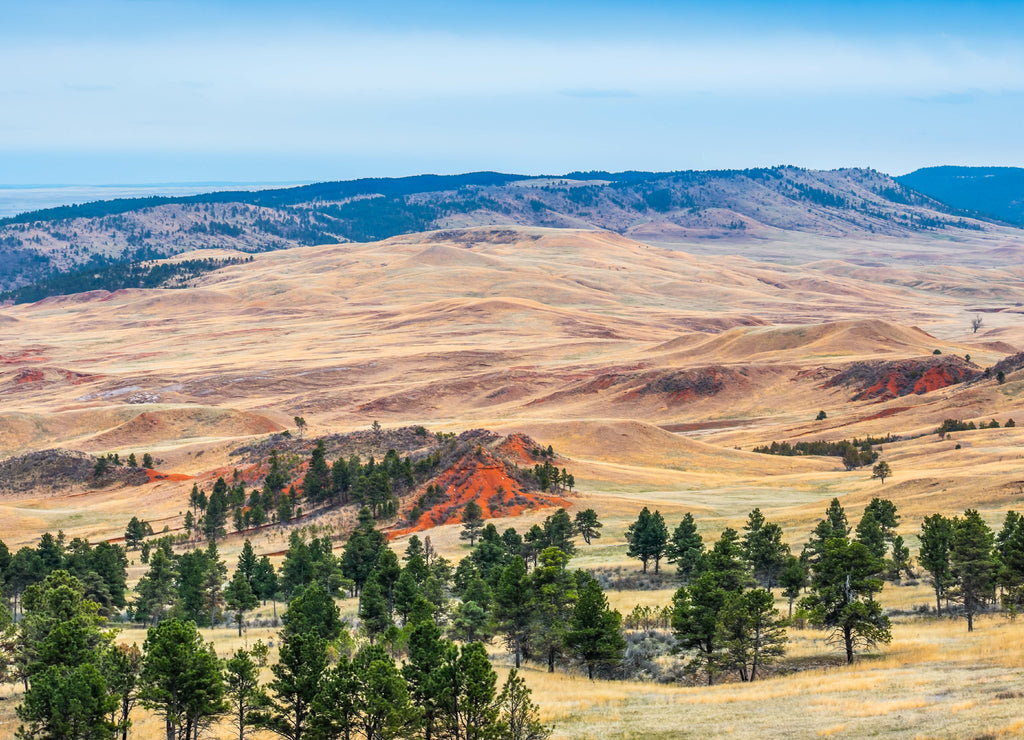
(181, 678)
(381, 708)
(843, 584)
(373, 610)
(936, 539)
(215, 519)
(242, 686)
(156, 589)
(647, 538)
(310, 623)
(472, 522)
(559, 531)
(696, 607)
(121, 666)
(519, 718)
(554, 593)
(793, 579)
(750, 631)
(685, 547)
(594, 634)
(240, 598)
(423, 672)
(317, 486)
(362, 550)
(61, 650)
(972, 563)
(764, 549)
(512, 607)
(869, 533)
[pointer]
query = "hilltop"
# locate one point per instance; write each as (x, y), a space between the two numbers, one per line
(766, 210)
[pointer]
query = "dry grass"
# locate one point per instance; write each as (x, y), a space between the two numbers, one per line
(505, 336)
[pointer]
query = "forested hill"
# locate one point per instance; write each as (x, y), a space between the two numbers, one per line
(657, 207)
(994, 191)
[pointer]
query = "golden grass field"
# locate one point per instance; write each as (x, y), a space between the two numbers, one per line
(555, 334)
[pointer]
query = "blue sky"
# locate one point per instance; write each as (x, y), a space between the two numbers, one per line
(145, 91)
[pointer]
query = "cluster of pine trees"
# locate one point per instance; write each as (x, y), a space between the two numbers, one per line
(414, 664)
(724, 614)
(101, 569)
(518, 588)
(855, 453)
(80, 683)
(969, 564)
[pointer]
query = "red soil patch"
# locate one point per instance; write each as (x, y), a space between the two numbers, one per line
(518, 448)
(155, 475)
(21, 357)
(28, 376)
(77, 378)
(885, 380)
(486, 477)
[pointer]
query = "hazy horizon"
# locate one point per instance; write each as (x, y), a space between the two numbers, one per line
(172, 91)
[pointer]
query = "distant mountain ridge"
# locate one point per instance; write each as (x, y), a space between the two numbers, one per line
(996, 192)
(665, 207)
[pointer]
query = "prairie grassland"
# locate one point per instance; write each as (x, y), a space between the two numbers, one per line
(934, 680)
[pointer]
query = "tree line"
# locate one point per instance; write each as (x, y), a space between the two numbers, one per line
(81, 683)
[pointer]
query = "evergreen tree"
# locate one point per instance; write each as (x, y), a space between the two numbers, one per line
(242, 685)
(428, 653)
(311, 622)
(276, 479)
(181, 679)
(793, 580)
(833, 525)
(373, 610)
(647, 538)
(764, 549)
(936, 539)
(972, 563)
(216, 517)
(900, 558)
(247, 562)
(134, 533)
(362, 550)
(696, 607)
(470, 708)
(340, 481)
(869, 533)
(512, 607)
(587, 525)
(519, 718)
(122, 666)
(472, 522)
(382, 709)
(156, 589)
(317, 486)
(558, 532)
(264, 581)
(240, 598)
(333, 711)
(62, 648)
(533, 543)
(843, 585)
(513, 543)
(594, 634)
(750, 631)
(685, 547)
(554, 593)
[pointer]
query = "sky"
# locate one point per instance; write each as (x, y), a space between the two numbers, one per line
(166, 91)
